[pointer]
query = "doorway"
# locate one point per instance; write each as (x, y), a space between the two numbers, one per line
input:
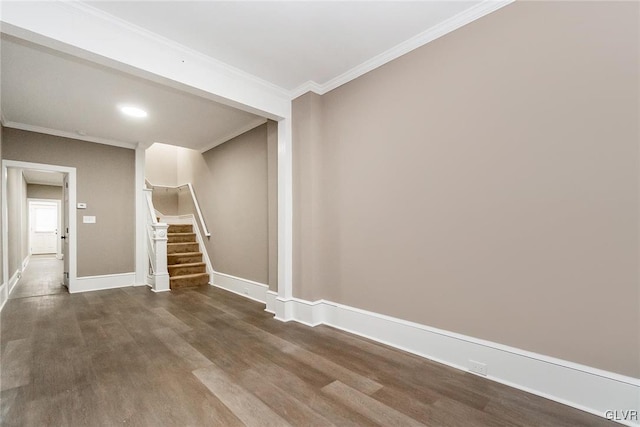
(45, 218)
(42, 231)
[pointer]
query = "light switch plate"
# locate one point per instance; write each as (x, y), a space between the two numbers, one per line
(89, 219)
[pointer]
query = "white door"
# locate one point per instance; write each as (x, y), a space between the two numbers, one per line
(43, 227)
(64, 235)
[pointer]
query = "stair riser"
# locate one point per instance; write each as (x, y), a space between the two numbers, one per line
(180, 282)
(180, 228)
(182, 238)
(180, 271)
(183, 259)
(176, 248)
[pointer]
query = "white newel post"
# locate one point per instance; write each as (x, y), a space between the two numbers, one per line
(160, 274)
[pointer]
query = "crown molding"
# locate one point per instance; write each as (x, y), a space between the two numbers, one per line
(231, 70)
(251, 125)
(445, 27)
(309, 86)
(70, 135)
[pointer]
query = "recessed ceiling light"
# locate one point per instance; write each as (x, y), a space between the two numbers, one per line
(131, 111)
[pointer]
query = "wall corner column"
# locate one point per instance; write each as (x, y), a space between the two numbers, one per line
(285, 209)
(141, 263)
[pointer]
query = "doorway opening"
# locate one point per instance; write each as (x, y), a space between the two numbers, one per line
(45, 224)
(38, 229)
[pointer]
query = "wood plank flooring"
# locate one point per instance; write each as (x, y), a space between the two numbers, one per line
(206, 357)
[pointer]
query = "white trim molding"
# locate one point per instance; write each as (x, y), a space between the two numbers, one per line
(99, 283)
(72, 235)
(244, 129)
(243, 287)
(141, 256)
(589, 389)
(25, 262)
(82, 30)
(70, 135)
(13, 281)
(270, 303)
(461, 19)
(4, 295)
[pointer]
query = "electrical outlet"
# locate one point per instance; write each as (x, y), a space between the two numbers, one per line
(478, 367)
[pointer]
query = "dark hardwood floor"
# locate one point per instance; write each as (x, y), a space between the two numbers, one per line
(207, 357)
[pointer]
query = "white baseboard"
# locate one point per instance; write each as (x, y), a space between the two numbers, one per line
(25, 262)
(244, 287)
(13, 281)
(589, 389)
(4, 295)
(271, 302)
(99, 283)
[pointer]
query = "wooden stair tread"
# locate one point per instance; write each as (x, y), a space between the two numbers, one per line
(190, 276)
(184, 259)
(183, 255)
(190, 264)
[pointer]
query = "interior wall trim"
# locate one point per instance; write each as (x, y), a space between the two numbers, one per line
(461, 19)
(4, 295)
(13, 281)
(583, 387)
(106, 281)
(247, 288)
(244, 129)
(70, 135)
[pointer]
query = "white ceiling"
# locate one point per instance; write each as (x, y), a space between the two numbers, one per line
(42, 177)
(292, 45)
(42, 88)
(287, 43)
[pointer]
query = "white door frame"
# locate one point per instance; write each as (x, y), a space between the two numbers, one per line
(58, 204)
(6, 164)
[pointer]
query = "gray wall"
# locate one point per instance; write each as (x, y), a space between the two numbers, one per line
(231, 184)
(161, 167)
(486, 184)
(38, 191)
(105, 177)
(17, 237)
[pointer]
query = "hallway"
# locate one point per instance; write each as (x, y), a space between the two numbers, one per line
(43, 276)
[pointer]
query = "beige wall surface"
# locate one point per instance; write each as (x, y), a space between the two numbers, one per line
(105, 178)
(24, 229)
(230, 182)
(38, 191)
(15, 220)
(165, 201)
(161, 167)
(486, 184)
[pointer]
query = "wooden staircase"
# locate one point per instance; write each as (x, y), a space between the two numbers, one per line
(184, 259)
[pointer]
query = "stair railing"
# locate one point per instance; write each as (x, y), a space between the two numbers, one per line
(194, 199)
(156, 247)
